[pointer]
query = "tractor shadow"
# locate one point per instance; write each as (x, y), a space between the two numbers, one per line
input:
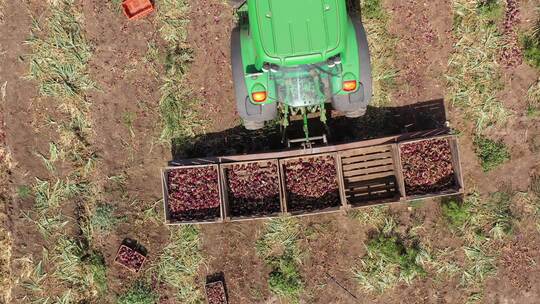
(378, 122)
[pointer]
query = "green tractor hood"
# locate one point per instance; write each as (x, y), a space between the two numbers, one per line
(292, 32)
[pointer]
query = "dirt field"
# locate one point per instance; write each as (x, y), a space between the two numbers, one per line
(126, 127)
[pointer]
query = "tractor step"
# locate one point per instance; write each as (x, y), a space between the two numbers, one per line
(307, 143)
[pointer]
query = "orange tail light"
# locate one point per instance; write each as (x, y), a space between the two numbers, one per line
(259, 96)
(349, 85)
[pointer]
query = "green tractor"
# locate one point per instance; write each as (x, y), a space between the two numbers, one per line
(297, 56)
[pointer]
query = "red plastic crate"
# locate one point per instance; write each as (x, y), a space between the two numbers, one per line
(135, 9)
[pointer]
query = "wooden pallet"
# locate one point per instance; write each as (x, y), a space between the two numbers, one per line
(369, 174)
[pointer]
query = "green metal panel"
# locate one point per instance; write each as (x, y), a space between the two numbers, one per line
(293, 32)
(253, 45)
(253, 75)
(304, 85)
(292, 28)
(351, 64)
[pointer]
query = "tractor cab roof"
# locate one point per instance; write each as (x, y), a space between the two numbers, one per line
(293, 32)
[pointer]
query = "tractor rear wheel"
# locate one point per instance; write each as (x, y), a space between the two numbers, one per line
(365, 60)
(253, 125)
(254, 116)
(236, 3)
(355, 104)
(356, 114)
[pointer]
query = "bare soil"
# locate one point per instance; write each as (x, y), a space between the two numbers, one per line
(24, 133)
(424, 41)
(333, 244)
(230, 248)
(210, 75)
(517, 280)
